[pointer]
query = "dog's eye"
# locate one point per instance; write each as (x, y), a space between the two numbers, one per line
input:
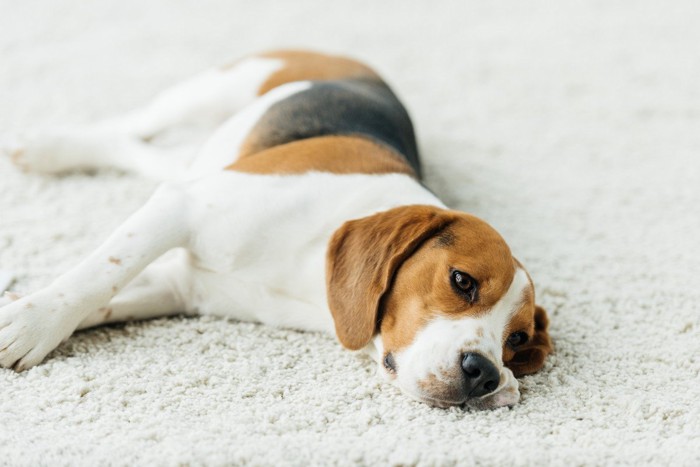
(389, 363)
(464, 284)
(517, 339)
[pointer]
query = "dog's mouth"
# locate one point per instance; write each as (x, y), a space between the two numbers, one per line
(501, 397)
(487, 402)
(441, 404)
(433, 401)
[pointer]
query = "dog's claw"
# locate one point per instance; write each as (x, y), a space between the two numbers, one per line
(16, 158)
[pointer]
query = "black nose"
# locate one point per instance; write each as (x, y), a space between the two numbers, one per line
(482, 375)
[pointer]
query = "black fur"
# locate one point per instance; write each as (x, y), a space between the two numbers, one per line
(362, 107)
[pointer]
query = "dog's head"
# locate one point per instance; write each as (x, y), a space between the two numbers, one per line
(451, 313)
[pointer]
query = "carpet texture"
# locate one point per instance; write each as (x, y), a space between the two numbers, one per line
(572, 127)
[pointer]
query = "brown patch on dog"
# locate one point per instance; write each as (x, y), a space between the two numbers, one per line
(335, 154)
(106, 311)
(342, 102)
(480, 332)
(531, 319)
(114, 260)
(425, 279)
(302, 65)
(530, 357)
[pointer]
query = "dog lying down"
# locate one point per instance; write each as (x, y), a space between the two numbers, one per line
(303, 209)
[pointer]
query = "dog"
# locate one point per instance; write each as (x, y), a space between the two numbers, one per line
(304, 209)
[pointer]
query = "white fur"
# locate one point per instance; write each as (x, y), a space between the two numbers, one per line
(256, 248)
(274, 270)
(35, 324)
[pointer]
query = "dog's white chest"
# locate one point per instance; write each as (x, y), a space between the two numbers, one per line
(259, 242)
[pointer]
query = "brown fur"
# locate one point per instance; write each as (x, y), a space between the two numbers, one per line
(530, 357)
(363, 256)
(442, 390)
(425, 278)
(303, 65)
(336, 154)
(533, 320)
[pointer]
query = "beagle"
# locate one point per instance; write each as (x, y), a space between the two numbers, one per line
(304, 208)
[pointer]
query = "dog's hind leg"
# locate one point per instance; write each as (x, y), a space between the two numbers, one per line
(203, 101)
(34, 325)
(131, 141)
(88, 148)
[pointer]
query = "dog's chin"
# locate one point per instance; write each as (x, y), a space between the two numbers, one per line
(477, 403)
(431, 401)
(504, 397)
(440, 403)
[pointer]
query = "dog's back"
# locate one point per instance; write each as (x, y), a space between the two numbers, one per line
(345, 99)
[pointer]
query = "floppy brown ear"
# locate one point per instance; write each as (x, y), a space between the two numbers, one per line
(530, 358)
(363, 256)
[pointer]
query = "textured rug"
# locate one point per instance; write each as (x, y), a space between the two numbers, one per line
(572, 127)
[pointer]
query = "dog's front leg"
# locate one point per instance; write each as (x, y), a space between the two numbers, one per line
(34, 325)
(162, 289)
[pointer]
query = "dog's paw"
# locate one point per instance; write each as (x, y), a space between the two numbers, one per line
(12, 149)
(58, 150)
(30, 328)
(41, 152)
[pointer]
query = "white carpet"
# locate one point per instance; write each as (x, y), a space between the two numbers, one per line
(574, 129)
